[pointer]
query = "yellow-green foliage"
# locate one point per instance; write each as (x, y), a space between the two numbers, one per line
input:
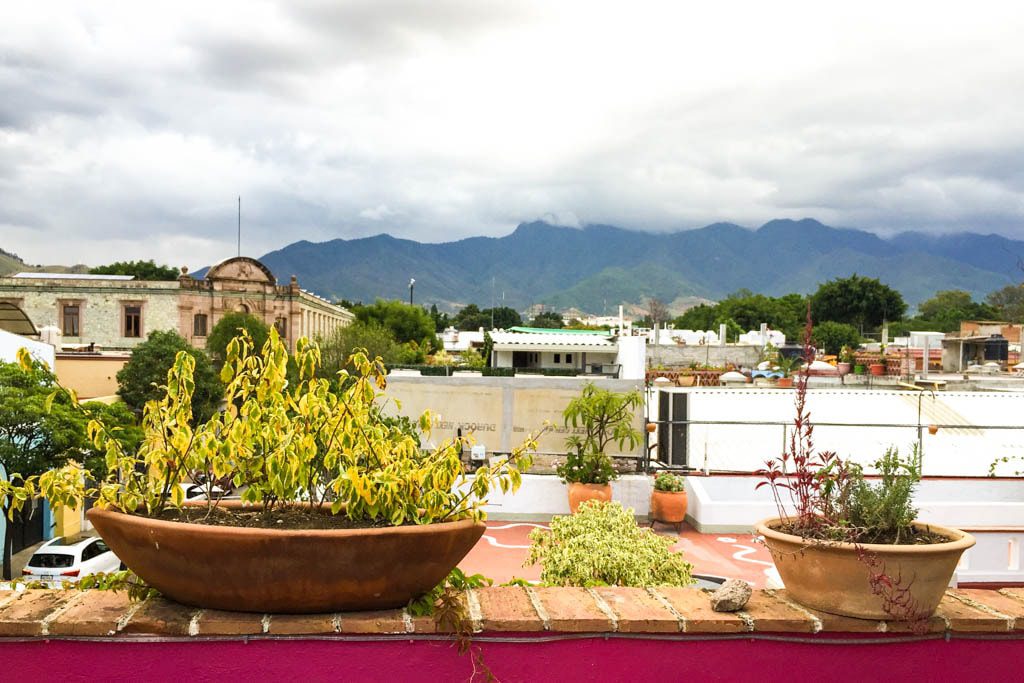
(602, 545)
(294, 439)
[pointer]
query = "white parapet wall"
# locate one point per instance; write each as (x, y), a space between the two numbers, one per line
(865, 432)
(543, 496)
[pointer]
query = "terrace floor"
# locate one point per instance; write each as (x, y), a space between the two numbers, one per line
(503, 548)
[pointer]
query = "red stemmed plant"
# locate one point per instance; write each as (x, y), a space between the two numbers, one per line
(814, 484)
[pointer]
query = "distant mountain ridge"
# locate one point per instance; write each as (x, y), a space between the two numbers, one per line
(597, 267)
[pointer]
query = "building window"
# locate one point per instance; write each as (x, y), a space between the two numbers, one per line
(558, 358)
(568, 358)
(282, 327)
(71, 320)
(133, 320)
(199, 321)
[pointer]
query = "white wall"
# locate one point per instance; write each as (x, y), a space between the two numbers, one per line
(10, 343)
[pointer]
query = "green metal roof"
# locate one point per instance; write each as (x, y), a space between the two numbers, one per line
(552, 330)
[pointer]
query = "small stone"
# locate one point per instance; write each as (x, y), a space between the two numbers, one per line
(731, 596)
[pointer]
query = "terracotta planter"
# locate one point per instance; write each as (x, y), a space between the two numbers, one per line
(784, 382)
(668, 507)
(835, 577)
(283, 570)
(581, 492)
(877, 369)
(843, 368)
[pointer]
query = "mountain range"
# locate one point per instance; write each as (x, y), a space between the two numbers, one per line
(598, 267)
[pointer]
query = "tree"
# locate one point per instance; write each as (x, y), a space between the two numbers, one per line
(472, 318)
(1008, 303)
(142, 270)
(228, 327)
(657, 311)
(36, 434)
(860, 301)
(375, 338)
(548, 319)
(832, 336)
(947, 309)
(700, 317)
(407, 323)
(142, 377)
(121, 422)
(441, 320)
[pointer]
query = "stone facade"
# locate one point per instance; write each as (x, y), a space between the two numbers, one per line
(117, 313)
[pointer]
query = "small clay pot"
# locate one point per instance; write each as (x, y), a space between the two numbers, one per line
(843, 368)
(581, 492)
(668, 507)
(652, 427)
(933, 429)
(877, 369)
(784, 383)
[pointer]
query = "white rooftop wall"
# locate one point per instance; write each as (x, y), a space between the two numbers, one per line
(10, 343)
(951, 451)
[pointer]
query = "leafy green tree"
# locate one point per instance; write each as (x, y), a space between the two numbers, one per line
(487, 350)
(142, 270)
(832, 336)
(549, 319)
(407, 323)
(441, 320)
(372, 336)
(947, 309)
(863, 302)
(700, 317)
(227, 328)
(1008, 303)
(142, 377)
(36, 434)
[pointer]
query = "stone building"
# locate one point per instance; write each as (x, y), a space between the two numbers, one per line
(118, 312)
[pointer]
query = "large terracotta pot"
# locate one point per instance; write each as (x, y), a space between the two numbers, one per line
(668, 507)
(283, 570)
(877, 369)
(581, 492)
(843, 368)
(836, 577)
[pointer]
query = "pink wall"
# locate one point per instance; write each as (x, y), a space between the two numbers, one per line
(590, 660)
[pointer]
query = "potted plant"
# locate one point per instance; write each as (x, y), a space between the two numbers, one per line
(845, 546)
(340, 508)
(786, 365)
(845, 361)
(668, 500)
(601, 417)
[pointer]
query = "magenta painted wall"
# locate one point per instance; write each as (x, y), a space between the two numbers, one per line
(589, 660)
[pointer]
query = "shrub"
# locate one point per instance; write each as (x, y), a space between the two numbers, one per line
(833, 336)
(584, 467)
(884, 510)
(669, 482)
(602, 545)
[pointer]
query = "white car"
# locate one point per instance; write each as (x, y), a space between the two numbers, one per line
(69, 559)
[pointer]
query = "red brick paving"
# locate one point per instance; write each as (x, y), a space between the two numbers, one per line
(503, 549)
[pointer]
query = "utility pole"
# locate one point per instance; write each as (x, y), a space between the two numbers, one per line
(412, 283)
(239, 225)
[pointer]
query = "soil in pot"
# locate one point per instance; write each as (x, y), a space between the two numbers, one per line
(278, 518)
(869, 580)
(581, 492)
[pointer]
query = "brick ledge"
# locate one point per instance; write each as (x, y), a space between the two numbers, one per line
(659, 612)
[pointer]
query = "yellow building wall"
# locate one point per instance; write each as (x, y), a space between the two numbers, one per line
(90, 376)
(67, 521)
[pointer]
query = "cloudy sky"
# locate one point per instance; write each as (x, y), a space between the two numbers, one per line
(127, 130)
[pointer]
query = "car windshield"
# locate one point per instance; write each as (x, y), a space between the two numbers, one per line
(51, 560)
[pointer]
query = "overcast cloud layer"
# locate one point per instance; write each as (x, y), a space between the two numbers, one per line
(128, 129)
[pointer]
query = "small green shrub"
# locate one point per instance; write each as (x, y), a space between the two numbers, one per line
(602, 545)
(581, 467)
(884, 510)
(667, 481)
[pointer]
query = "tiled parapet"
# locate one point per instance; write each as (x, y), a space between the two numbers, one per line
(50, 614)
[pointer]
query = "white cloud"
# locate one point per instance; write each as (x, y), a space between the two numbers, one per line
(129, 129)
